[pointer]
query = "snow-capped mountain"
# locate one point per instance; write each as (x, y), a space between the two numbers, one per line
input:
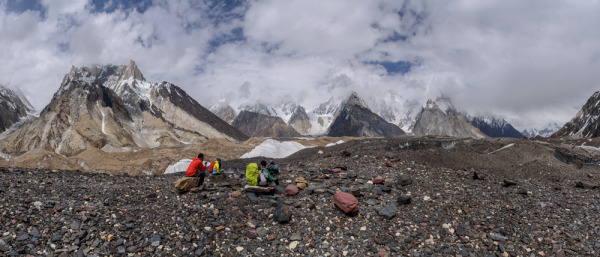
(355, 118)
(112, 107)
(14, 107)
(397, 110)
(283, 110)
(494, 127)
(433, 120)
(319, 118)
(586, 122)
(545, 131)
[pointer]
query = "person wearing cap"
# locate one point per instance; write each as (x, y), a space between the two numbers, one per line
(214, 167)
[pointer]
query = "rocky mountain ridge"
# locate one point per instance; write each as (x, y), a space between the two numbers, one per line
(355, 118)
(113, 107)
(432, 120)
(256, 124)
(13, 107)
(586, 122)
(494, 127)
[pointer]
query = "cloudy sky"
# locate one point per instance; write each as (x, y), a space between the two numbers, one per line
(530, 62)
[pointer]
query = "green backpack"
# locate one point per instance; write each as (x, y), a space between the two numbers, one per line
(252, 174)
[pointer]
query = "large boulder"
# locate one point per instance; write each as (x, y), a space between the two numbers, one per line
(291, 190)
(346, 201)
(282, 214)
(184, 184)
(258, 189)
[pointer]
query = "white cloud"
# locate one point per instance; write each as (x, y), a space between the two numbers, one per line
(531, 62)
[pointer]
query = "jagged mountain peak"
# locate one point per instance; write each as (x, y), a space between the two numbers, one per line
(442, 103)
(586, 122)
(130, 71)
(431, 104)
(354, 99)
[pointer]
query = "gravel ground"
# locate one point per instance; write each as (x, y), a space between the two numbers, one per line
(428, 204)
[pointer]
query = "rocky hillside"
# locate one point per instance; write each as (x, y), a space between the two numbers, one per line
(586, 122)
(300, 121)
(354, 118)
(112, 107)
(434, 120)
(416, 197)
(13, 107)
(255, 124)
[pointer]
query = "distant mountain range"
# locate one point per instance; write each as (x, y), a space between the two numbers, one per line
(113, 107)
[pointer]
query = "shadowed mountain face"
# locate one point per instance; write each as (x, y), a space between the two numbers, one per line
(354, 118)
(448, 122)
(12, 108)
(586, 122)
(259, 125)
(112, 108)
(493, 127)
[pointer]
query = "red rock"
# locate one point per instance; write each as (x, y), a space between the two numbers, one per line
(291, 189)
(345, 201)
(378, 180)
(336, 170)
(389, 164)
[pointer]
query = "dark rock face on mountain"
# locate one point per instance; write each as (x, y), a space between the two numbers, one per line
(300, 121)
(494, 127)
(354, 118)
(259, 125)
(434, 121)
(12, 108)
(114, 107)
(587, 121)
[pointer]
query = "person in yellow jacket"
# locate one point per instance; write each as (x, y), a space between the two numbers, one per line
(214, 167)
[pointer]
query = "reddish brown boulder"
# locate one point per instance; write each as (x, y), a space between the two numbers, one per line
(336, 170)
(378, 180)
(291, 190)
(346, 201)
(389, 164)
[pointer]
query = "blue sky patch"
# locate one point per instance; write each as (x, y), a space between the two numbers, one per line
(400, 67)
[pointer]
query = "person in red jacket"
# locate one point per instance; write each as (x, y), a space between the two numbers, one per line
(197, 168)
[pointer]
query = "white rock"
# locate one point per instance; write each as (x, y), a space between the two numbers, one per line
(293, 245)
(239, 248)
(38, 204)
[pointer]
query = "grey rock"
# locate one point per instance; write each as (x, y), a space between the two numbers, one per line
(282, 214)
(404, 180)
(261, 231)
(296, 237)
(252, 197)
(388, 212)
(404, 200)
(585, 185)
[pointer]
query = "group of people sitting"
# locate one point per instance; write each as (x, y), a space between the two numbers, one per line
(254, 176)
(197, 168)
